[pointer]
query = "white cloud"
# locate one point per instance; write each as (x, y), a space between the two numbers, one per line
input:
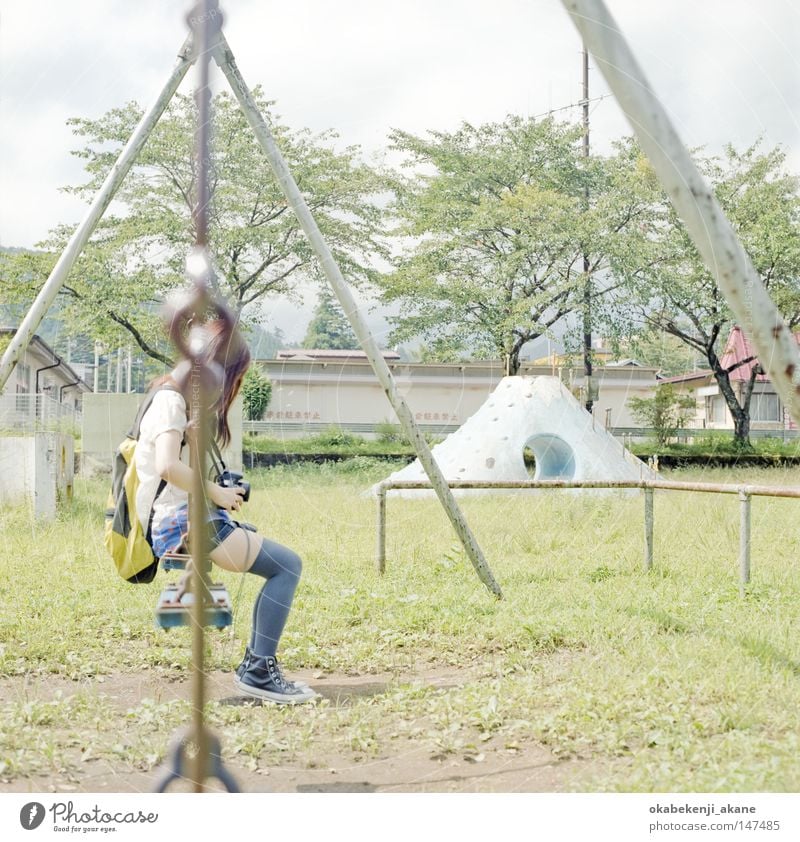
(725, 69)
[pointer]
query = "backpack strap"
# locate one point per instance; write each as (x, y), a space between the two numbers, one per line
(134, 433)
(135, 430)
(217, 462)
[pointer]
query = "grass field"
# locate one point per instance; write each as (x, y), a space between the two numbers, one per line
(623, 680)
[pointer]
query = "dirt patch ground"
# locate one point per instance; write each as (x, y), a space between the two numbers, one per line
(411, 767)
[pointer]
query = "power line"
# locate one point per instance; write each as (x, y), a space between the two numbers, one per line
(580, 104)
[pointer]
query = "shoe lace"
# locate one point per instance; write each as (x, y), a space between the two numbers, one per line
(277, 673)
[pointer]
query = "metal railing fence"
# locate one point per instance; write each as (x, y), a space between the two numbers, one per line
(745, 493)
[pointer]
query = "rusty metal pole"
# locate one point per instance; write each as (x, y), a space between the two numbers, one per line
(227, 64)
(380, 560)
(588, 365)
(744, 540)
(788, 492)
(198, 441)
(744, 492)
(648, 529)
(205, 21)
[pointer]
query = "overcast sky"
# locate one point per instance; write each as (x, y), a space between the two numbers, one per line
(727, 70)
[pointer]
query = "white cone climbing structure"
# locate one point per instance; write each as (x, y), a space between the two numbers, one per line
(538, 413)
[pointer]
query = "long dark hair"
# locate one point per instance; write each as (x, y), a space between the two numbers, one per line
(233, 356)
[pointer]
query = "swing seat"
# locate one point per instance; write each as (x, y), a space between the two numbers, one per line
(175, 561)
(171, 611)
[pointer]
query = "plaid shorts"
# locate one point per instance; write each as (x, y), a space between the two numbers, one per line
(170, 532)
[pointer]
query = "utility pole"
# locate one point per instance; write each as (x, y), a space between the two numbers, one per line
(96, 367)
(118, 381)
(587, 281)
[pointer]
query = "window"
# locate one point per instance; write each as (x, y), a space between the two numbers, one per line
(23, 378)
(765, 406)
(715, 409)
(23, 401)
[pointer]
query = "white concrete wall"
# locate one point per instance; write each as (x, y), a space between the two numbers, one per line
(36, 470)
(306, 392)
(62, 449)
(107, 417)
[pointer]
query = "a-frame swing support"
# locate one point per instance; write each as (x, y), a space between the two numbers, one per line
(224, 58)
(695, 202)
(103, 197)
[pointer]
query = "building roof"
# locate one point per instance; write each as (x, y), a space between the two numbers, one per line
(472, 373)
(624, 363)
(329, 354)
(691, 375)
(66, 370)
(738, 348)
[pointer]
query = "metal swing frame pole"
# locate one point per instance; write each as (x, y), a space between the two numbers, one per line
(695, 202)
(227, 64)
(101, 201)
(202, 18)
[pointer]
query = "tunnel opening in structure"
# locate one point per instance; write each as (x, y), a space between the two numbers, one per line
(549, 457)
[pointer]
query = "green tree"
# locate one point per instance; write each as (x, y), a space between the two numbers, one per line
(677, 293)
(662, 351)
(329, 327)
(496, 225)
(136, 256)
(666, 412)
(256, 393)
(440, 352)
(264, 344)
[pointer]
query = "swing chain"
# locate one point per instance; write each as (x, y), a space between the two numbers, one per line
(187, 320)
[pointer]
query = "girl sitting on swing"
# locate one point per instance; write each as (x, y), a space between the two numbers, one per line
(233, 547)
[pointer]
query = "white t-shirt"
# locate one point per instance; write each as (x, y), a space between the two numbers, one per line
(166, 412)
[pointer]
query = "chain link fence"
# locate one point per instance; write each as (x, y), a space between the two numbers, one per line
(29, 413)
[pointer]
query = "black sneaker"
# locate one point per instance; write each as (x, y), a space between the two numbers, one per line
(242, 668)
(262, 679)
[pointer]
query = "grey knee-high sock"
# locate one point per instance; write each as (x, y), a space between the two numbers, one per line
(281, 567)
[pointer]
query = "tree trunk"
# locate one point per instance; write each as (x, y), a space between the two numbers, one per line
(741, 431)
(513, 362)
(151, 352)
(739, 412)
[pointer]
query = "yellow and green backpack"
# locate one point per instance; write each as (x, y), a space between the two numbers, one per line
(125, 540)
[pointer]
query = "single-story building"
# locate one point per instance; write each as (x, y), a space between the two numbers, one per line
(767, 411)
(311, 394)
(42, 390)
